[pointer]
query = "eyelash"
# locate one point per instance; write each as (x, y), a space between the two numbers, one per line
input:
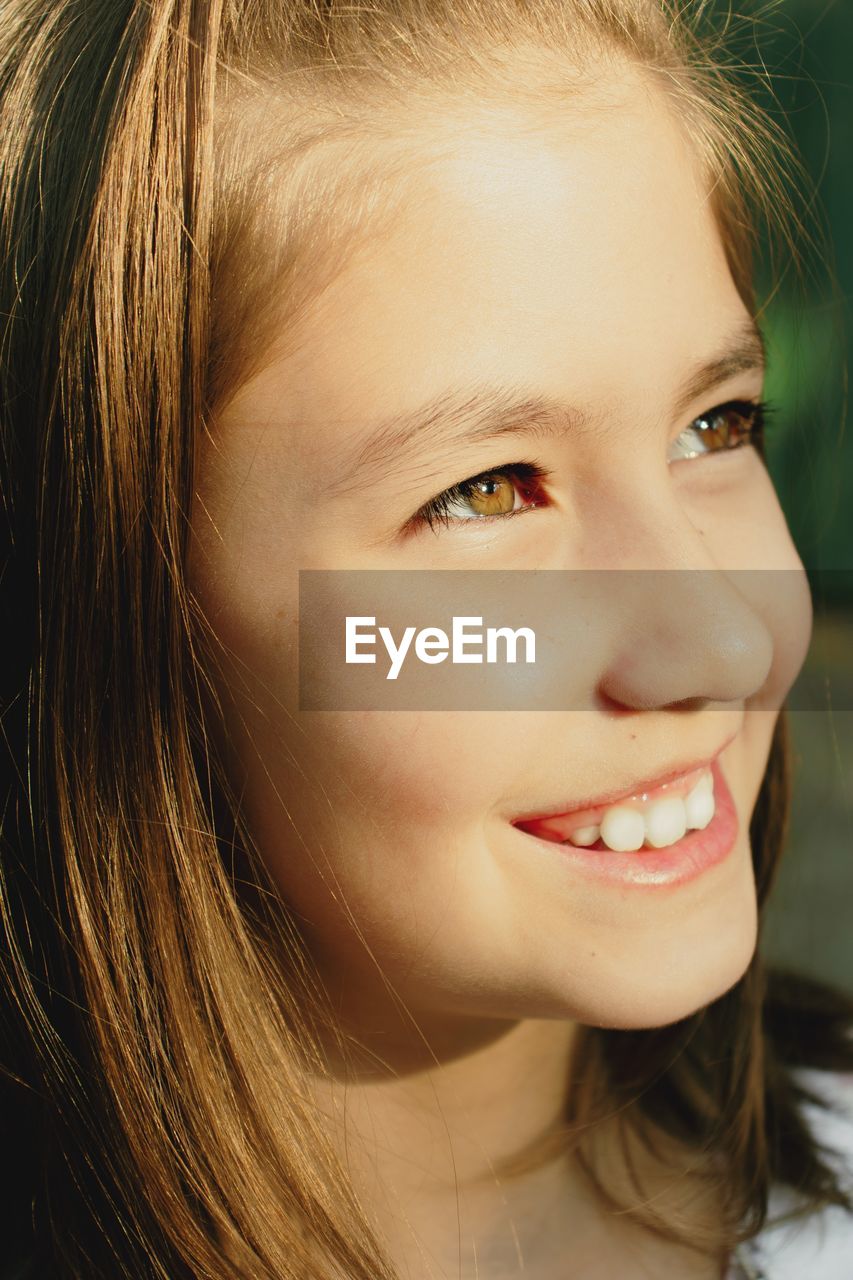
(757, 414)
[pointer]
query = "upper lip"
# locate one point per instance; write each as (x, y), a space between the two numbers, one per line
(613, 797)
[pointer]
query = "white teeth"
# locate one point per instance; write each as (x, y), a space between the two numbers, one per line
(585, 836)
(699, 804)
(665, 821)
(623, 830)
(660, 823)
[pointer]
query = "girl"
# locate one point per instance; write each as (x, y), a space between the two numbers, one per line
(416, 285)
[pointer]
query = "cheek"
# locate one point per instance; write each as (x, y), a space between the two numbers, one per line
(372, 827)
(378, 794)
(345, 778)
(416, 782)
(435, 770)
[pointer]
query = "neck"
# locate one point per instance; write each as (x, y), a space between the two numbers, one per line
(422, 1142)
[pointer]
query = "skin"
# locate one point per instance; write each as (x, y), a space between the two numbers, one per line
(581, 262)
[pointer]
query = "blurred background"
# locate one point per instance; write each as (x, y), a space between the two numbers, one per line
(807, 47)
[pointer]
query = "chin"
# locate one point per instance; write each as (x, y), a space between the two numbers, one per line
(675, 996)
(670, 979)
(669, 1007)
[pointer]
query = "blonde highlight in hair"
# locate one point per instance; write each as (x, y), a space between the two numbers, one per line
(163, 1017)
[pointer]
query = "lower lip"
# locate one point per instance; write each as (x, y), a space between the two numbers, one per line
(678, 864)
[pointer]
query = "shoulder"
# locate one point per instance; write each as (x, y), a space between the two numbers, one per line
(819, 1246)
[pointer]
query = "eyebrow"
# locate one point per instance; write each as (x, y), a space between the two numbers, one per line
(480, 414)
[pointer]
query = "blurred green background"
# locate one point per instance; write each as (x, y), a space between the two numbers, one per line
(807, 47)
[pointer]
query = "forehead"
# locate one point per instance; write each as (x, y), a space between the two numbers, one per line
(569, 248)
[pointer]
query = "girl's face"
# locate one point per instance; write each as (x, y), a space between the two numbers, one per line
(570, 255)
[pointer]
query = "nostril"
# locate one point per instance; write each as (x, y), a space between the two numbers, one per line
(615, 709)
(611, 706)
(687, 704)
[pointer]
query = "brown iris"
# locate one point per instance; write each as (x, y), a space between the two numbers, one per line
(726, 428)
(491, 495)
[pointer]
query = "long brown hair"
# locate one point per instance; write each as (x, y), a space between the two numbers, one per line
(168, 202)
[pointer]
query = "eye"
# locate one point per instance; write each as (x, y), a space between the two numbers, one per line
(513, 489)
(727, 427)
(505, 491)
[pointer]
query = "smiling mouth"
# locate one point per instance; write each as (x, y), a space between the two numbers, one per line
(652, 816)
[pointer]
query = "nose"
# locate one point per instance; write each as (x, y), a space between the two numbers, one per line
(685, 630)
(686, 636)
